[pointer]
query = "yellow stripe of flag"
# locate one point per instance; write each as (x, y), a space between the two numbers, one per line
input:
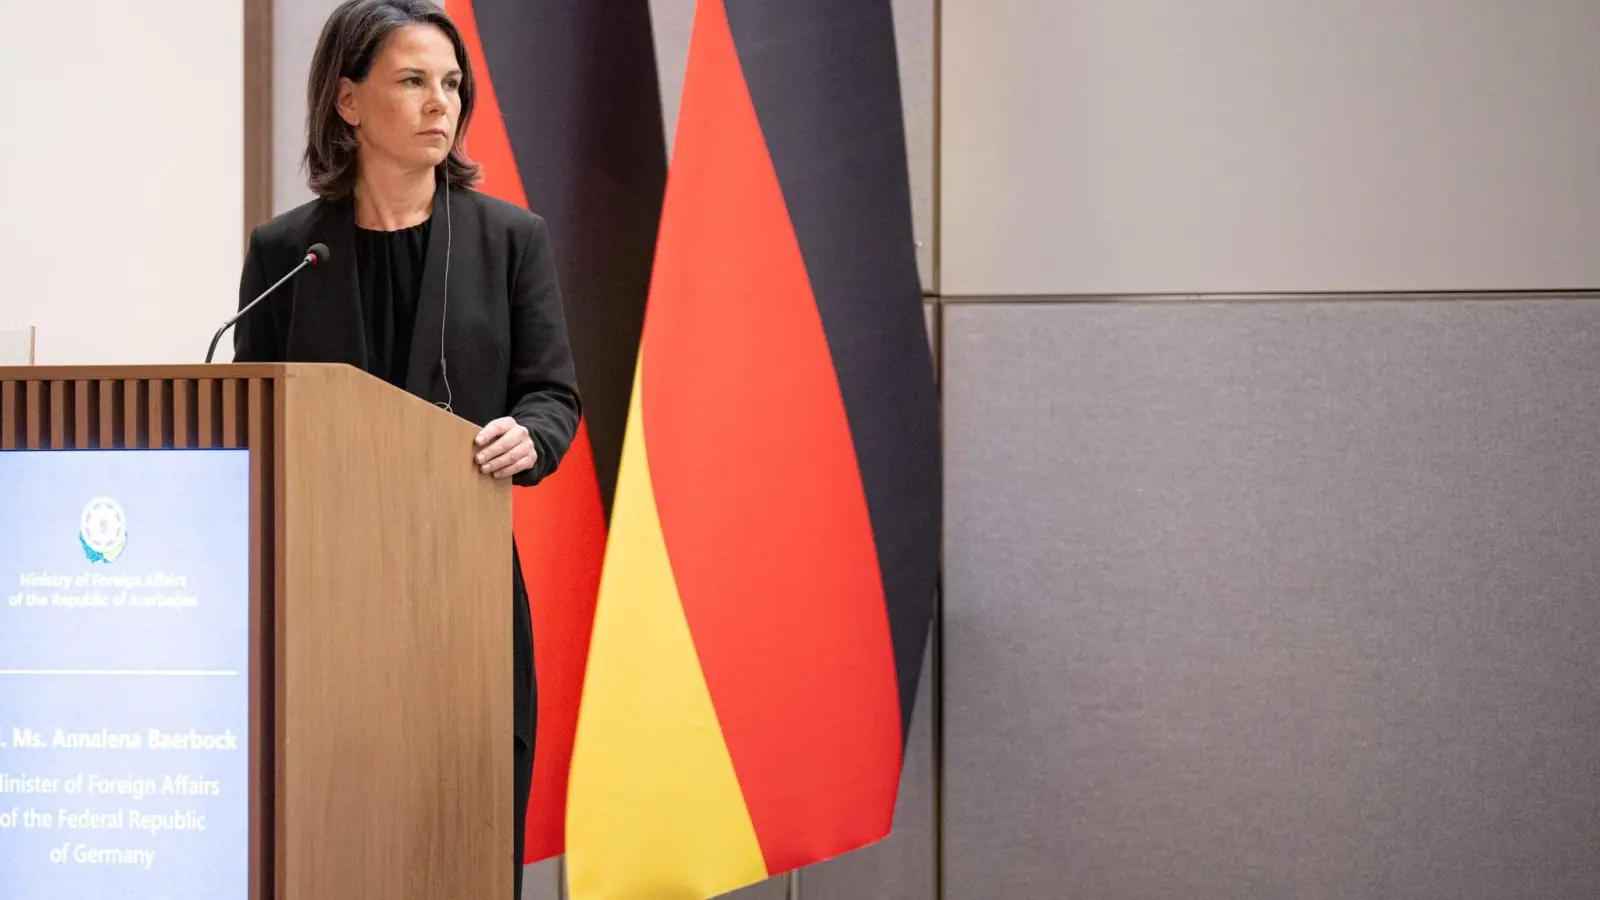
(649, 748)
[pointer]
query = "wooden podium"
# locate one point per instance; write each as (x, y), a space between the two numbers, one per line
(380, 573)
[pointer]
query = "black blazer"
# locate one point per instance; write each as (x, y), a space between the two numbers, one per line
(504, 330)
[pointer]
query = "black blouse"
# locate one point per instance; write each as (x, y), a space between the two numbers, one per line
(389, 269)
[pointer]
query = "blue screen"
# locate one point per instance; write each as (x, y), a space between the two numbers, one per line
(124, 649)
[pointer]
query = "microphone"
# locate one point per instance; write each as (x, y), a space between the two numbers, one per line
(316, 255)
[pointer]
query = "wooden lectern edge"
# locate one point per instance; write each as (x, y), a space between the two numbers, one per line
(195, 371)
(366, 380)
(149, 370)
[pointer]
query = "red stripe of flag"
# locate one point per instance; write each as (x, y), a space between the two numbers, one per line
(760, 496)
(559, 526)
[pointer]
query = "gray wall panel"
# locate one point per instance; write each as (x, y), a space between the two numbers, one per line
(915, 21)
(542, 880)
(1272, 600)
(1154, 146)
(771, 889)
(296, 24)
(672, 22)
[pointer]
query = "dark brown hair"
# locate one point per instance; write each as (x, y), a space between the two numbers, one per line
(348, 46)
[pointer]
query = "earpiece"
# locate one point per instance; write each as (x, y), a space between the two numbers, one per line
(444, 313)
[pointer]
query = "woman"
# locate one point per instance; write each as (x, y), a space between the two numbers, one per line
(440, 290)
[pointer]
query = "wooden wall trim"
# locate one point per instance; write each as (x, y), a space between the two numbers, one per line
(257, 113)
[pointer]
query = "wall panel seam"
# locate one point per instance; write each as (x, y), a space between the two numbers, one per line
(1267, 297)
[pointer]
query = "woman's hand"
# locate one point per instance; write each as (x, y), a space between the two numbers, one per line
(505, 448)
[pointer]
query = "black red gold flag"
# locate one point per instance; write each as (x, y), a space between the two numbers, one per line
(568, 125)
(769, 581)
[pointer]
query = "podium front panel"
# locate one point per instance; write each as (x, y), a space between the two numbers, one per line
(124, 674)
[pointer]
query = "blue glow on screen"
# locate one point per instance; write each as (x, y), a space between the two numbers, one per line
(124, 654)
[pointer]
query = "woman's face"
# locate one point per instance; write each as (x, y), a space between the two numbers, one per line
(405, 112)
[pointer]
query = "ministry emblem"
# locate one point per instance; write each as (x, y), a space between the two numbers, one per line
(103, 530)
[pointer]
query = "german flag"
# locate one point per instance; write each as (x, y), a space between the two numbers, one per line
(769, 582)
(568, 125)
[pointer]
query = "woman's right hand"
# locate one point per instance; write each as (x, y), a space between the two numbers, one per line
(505, 448)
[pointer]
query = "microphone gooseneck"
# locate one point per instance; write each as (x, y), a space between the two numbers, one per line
(316, 255)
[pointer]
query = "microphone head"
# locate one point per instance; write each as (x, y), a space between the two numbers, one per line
(318, 253)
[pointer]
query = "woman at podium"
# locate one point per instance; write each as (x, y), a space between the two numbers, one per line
(442, 291)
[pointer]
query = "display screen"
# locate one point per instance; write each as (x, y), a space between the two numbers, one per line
(124, 683)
